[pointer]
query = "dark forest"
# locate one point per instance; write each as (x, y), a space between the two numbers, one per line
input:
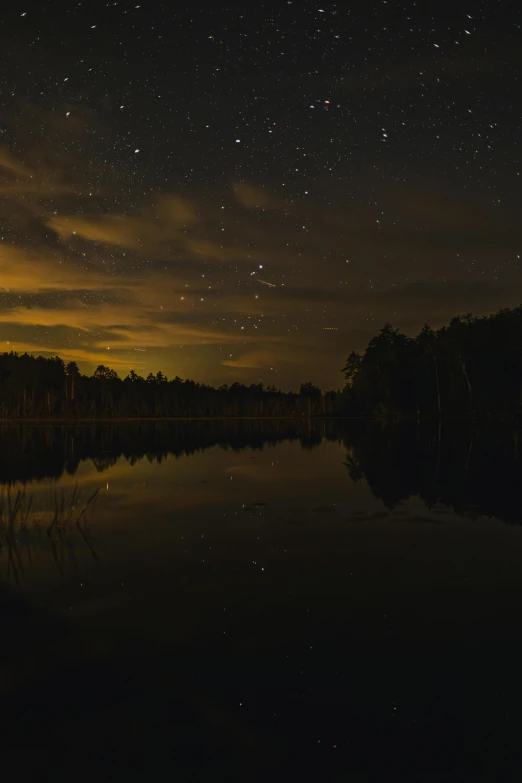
(470, 368)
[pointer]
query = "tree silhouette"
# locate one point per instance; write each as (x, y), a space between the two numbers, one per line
(472, 367)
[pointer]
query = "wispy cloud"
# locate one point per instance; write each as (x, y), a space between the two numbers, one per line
(148, 230)
(255, 197)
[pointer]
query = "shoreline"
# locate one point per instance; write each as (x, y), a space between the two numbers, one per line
(513, 419)
(126, 419)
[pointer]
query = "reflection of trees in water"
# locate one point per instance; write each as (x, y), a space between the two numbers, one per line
(103, 463)
(33, 453)
(23, 528)
(476, 471)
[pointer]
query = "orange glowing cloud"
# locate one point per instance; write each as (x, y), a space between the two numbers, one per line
(149, 229)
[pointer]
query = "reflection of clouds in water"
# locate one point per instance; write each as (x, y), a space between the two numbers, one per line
(213, 486)
(256, 473)
(178, 466)
(49, 451)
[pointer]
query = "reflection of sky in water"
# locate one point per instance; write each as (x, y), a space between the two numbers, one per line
(264, 592)
(142, 505)
(234, 509)
(284, 474)
(274, 483)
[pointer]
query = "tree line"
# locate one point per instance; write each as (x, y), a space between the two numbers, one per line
(471, 367)
(37, 387)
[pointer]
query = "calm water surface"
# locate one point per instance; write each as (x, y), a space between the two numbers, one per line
(248, 599)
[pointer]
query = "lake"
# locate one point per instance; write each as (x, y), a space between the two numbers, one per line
(243, 599)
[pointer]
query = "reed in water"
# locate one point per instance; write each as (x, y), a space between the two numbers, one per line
(21, 524)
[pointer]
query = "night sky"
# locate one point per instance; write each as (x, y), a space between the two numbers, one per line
(249, 192)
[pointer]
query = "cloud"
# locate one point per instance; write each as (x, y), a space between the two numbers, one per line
(255, 197)
(54, 299)
(150, 229)
(263, 359)
(41, 179)
(206, 249)
(11, 164)
(226, 252)
(43, 270)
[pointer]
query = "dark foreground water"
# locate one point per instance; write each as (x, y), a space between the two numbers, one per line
(253, 601)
